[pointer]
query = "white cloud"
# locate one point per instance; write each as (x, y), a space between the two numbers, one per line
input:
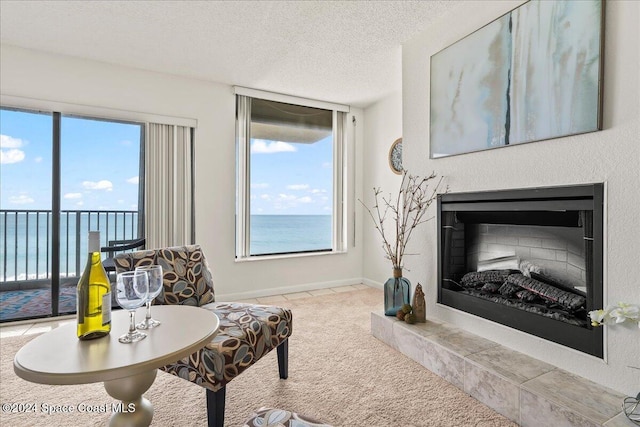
(126, 142)
(286, 197)
(318, 191)
(38, 159)
(22, 199)
(120, 201)
(7, 141)
(11, 152)
(327, 165)
(291, 200)
(12, 155)
(297, 187)
(262, 147)
(79, 203)
(134, 180)
(260, 185)
(73, 196)
(265, 197)
(100, 185)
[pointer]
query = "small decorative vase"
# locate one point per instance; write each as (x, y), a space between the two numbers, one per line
(396, 293)
(419, 309)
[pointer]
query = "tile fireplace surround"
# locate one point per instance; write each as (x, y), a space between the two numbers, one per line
(523, 389)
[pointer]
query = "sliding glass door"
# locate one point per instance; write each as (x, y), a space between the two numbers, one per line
(62, 176)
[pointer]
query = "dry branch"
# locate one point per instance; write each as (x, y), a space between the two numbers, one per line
(407, 211)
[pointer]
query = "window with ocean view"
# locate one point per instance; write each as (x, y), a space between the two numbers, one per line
(61, 177)
(289, 178)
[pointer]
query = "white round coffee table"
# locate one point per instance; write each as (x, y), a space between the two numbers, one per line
(127, 370)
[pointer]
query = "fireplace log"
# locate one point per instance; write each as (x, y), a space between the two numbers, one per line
(509, 289)
(490, 288)
(477, 279)
(556, 283)
(548, 292)
(526, 296)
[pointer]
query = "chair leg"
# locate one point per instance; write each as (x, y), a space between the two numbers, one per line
(283, 359)
(215, 407)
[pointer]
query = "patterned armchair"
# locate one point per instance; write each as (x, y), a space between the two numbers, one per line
(247, 331)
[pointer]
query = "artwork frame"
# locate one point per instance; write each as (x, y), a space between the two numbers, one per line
(532, 74)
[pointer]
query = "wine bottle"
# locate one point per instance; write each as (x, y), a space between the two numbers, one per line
(94, 295)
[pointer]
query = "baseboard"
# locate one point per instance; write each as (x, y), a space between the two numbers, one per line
(291, 289)
(372, 283)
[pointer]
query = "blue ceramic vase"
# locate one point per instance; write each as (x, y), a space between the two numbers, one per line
(396, 292)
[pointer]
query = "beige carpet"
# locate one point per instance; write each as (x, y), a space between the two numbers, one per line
(338, 373)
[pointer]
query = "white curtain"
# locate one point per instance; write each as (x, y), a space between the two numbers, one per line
(168, 186)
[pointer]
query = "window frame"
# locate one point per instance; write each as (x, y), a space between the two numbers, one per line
(243, 173)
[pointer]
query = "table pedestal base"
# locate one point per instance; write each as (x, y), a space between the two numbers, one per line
(135, 409)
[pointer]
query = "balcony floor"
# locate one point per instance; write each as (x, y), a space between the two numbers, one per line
(31, 303)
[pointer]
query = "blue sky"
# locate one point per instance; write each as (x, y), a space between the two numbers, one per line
(99, 163)
(291, 178)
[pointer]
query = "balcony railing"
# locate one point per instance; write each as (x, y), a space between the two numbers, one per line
(26, 239)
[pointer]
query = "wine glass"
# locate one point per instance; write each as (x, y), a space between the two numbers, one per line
(154, 273)
(132, 289)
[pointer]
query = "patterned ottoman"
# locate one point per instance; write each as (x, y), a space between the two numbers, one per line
(268, 417)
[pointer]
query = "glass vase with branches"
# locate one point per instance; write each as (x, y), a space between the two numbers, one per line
(405, 212)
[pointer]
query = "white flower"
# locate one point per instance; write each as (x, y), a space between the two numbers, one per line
(625, 312)
(598, 317)
(616, 314)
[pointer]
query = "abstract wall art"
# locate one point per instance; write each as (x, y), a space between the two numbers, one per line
(533, 74)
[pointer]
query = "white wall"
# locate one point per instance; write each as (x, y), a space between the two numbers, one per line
(611, 156)
(383, 127)
(46, 77)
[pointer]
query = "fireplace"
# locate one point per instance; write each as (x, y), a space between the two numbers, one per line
(530, 259)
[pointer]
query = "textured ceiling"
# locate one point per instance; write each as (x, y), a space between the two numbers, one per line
(339, 51)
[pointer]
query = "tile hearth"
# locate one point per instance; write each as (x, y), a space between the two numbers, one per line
(523, 389)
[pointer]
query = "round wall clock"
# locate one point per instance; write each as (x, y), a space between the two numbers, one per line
(395, 156)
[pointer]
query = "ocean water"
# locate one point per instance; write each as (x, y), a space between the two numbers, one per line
(26, 240)
(276, 234)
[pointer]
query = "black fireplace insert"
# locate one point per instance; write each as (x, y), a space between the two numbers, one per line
(530, 259)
